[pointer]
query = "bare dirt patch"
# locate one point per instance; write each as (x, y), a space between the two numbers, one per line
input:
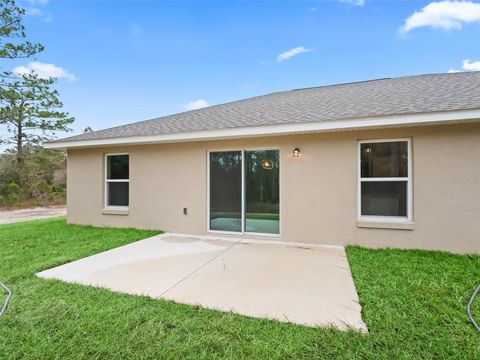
(12, 216)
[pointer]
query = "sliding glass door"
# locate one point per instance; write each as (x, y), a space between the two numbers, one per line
(261, 192)
(226, 191)
(244, 191)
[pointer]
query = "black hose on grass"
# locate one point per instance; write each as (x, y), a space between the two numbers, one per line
(9, 295)
(469, 308)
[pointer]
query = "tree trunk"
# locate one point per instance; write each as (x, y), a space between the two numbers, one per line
(19, 143)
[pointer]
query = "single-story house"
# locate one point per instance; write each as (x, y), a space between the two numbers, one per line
(391, 162)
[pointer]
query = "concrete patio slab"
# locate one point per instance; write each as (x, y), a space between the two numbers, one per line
(146, 267)
(304, 284)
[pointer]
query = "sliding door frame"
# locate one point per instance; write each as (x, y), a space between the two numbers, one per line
(243, 215)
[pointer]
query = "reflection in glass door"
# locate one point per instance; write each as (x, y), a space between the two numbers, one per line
(245, 201)
(262, 192)
(226, 191)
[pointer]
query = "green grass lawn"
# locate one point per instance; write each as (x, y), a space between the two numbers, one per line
(413, 304)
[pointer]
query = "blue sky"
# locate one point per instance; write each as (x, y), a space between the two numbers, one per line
(125, 61)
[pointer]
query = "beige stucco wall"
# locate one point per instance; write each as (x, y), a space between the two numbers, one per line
(318, 190)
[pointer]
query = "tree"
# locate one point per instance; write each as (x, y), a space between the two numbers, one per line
(30, 109)
(12, 33)
(13, 43)
(40, 181)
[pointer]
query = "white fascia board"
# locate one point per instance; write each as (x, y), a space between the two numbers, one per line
(275, 130)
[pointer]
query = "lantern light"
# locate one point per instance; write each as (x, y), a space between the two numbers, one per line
(267, 164)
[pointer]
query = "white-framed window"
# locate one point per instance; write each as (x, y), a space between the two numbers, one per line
(117, 180)
(385, 180)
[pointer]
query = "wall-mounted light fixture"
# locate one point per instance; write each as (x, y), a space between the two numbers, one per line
(296, 152)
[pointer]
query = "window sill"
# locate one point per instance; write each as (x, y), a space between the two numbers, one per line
(406, 225)
(113, 211)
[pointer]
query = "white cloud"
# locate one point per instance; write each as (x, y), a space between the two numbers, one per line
(45, 71)
(444, 15)
(471, 65)
(37, 12)
(197, 104)
(291, 53)
(354, 2)
(33, 12)
(135, 30)
(39, 2)
(467, 65)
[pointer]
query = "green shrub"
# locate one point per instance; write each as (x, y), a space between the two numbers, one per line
(13, 193)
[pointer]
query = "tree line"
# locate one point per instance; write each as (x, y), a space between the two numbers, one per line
(30, 113)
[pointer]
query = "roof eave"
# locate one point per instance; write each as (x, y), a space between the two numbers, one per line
(433, 118)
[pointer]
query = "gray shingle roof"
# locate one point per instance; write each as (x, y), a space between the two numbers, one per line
(382, 97)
